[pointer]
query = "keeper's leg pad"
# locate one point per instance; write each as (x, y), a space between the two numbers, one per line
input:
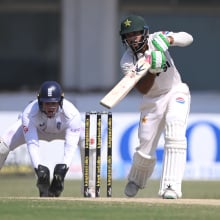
(142, 168)
(92, 166)
(43, 181)
(57, 184)
(174, 160)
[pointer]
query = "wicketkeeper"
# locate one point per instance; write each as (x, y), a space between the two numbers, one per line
(164, 108)
(49, 117)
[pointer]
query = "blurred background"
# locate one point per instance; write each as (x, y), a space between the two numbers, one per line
(77, 43)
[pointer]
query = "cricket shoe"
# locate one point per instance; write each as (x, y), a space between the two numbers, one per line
(131, 189)
(170, 193)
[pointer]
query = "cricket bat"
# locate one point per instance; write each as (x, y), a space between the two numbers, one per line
(125, 85)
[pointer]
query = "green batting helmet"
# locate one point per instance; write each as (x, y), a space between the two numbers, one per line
(133, 23)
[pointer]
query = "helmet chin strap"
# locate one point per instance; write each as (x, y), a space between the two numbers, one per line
(139, 48)
(141, 44)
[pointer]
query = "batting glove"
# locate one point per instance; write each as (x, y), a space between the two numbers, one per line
(157, 61)
(160, 42)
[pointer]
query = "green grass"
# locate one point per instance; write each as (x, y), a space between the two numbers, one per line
(19, 200)
(17, 186)
(43, 209)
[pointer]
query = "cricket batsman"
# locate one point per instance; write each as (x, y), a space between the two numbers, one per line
(164, 108)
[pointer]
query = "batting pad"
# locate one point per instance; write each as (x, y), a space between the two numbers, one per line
(142, 168)
(174, 158)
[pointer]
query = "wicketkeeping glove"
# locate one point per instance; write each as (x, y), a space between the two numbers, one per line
(160, 42)
(157, 60)
(57, 184)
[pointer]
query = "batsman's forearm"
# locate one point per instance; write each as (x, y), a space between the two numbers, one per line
(145, 83)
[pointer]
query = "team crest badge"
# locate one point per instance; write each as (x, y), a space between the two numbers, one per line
(127, 23)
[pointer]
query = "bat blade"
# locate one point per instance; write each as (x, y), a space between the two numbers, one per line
(122, 88)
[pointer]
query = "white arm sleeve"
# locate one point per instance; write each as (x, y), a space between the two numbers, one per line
(72, 139)
(181, 39)
(34, 152)
(31, 139)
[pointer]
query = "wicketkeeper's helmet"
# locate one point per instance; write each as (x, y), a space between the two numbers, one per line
(50, 91)
(134, 23)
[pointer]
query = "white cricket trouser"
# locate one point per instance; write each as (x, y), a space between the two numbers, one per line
(161, 113)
